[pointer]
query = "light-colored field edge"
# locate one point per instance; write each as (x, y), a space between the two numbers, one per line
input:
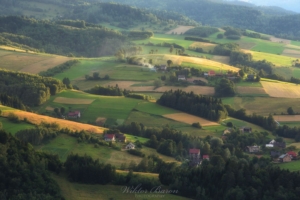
(190, 119)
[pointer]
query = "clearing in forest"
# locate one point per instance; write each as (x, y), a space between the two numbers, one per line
(66, 100)
(189, 119)
(180, 30)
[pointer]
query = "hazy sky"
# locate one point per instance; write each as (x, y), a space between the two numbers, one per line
(293, 5)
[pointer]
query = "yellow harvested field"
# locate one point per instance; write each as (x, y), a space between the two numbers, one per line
(250, 90)
(201, 61)
(66, 100)
(280, 40)
(287, 118)
(14, 49)
(180, 29)
(283, 90)
(37, 119)
(49, 108)
(291, 53)
(202, 44)
(189, 119)
(45, 64)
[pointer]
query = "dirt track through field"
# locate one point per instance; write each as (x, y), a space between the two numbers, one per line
(250, 90)
(284, 90)
(180, 29)
(287, 118)
(189, 119)
(65, 100)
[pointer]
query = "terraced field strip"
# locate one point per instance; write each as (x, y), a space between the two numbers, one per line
(189, 119)
(180, 29)
(204, 90)
(66, 100)
(221, 59)
(250, 90)
(280, 40)
(287, 118)
(45, 64)
(37, 119)
(280, 89)
(291, 52)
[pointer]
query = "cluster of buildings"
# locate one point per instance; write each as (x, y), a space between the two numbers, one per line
(118, 137)
(195, 157)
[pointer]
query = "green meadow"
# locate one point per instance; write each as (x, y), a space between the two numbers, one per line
(292, 166)
(239, 123)
(263, 105)
(14, 127)
(278, 60)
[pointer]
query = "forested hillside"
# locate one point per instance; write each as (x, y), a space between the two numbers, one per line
(88, 40)
(124, 16)
(32, 90)
(215, 13)
(23, 171)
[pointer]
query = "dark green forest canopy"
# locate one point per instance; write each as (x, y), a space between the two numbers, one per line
(31, 89)
(59, 39)
(216, 13)
(125, 16)
(22, 171)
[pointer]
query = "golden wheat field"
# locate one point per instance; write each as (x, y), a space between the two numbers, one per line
(37, 119)
(287, 118)
(281, 89)
(189, 119)
(250, 90)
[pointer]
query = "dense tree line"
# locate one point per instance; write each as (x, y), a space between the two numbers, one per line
(59, 69)
(85, 169)
(203, 106)
(36, 136)
(54, 38)
(108, 91)
(202, 31)
(267, 123)
(32, 90)
(236, 179)
(288, 132)
(225, 88)
(24, 172)
(12, 101)
(140, 35)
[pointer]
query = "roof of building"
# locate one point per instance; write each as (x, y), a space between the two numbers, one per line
(194, 151)
(74, 113)
(205, 156)
(130, 144)
(211, 72)
(292, 153)
(109, 136)
(181, 76)
(283, 155)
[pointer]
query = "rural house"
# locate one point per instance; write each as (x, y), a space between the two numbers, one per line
(181, 78)
(205, 157)
(74, 115)
(292, 154)
(211, 73)
(285, 158)
(245, 129)
(275, 154)
(279, 144)
(120, 137)
(194, 155)
(253, 149)
(227, 131)
(163, 67)
(130, 146)
(109, 137)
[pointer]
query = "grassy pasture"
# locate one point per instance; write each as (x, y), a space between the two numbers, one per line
(77, 191)
(239, 123)
(153, 108)
(248, 84)
(297, 43)
(263, 105)
(291, 124)
(278, 60)
(292, 166)
(13, 127)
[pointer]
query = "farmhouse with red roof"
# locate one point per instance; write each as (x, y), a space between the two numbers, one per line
(194, 156)
(74, 115)
(292, 154)
(205, 157)
(109, 137)
(211, 73)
